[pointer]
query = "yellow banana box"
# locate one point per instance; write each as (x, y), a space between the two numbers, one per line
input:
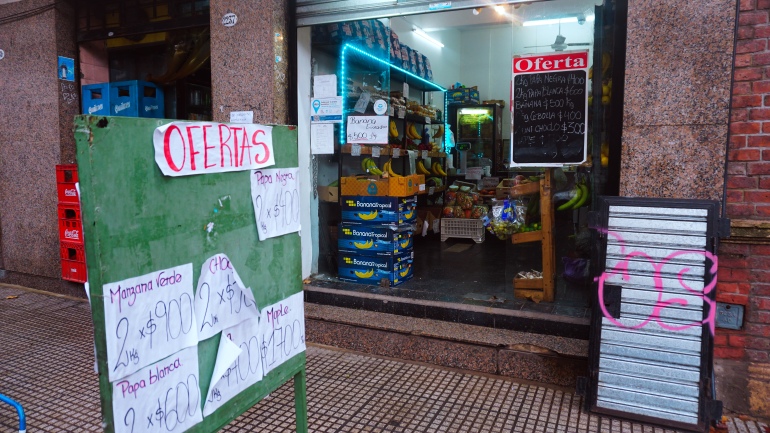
(373, 269)
(364, 186)
(373, 240)
(406, 185)
(379, 210)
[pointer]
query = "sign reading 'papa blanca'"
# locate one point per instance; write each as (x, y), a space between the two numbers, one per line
(187, 148)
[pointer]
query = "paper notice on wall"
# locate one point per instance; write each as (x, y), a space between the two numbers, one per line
(275, 195)
(283, 331)
(322, 138)
(162, 397)
(238, 366)
(148, 318)
(367, 129)
(326, 110)
(324, 86)
(187, 148)
(221, 298)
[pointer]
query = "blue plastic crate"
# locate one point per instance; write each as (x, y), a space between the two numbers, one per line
(136, 99)
(96, 99)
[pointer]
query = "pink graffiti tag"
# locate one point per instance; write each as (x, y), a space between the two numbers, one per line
(622, 270)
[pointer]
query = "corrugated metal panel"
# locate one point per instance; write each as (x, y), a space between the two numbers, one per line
(312, 12)
(652, 360)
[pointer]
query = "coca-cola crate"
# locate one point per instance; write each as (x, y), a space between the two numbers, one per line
(72, 251)
(72, 270)
(70, 227)
(66, 177)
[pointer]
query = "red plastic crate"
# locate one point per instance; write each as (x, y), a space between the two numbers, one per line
(70, 231)
(69, 211)
(72, 270)
(67, 173)
(72, 251)
(66, 176)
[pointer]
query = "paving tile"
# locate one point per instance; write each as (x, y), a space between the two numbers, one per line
(346, 391)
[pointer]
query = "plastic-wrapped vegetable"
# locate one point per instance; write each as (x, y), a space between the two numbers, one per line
(479, 211)
(450, 198)
(459, 212)
(464, 200)
(502, 221)
(448, 212)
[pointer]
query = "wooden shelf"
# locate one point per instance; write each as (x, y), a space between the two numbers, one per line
(538, 289)
(524, 237)
(387, 151)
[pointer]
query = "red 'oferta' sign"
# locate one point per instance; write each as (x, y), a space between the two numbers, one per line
(550, 62)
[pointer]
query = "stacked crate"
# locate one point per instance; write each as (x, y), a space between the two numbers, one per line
(72, 251)
(376, 239)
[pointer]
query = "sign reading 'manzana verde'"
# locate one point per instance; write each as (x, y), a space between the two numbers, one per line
(200, 316)
(549, 107)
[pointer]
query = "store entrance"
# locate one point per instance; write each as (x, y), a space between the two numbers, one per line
(475, 230)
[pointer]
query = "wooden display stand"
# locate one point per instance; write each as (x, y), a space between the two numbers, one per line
(538, 289)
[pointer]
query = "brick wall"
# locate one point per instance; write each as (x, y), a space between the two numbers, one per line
(744, 259)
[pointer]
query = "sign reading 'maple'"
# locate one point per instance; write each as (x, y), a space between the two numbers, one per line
(187, 148)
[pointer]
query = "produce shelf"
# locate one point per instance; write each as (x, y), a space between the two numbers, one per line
(527, 283)
(523, 237)
(386, 151)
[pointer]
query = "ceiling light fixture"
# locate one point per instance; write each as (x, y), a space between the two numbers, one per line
(421, 33)
(499, 9)
(531, 23)
(476, 11)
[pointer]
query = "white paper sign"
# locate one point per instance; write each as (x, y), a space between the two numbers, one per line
(275, 195)
(187, 148)
(241, 117)
(322, 138)
(326, 110)
(355, 149)
(162, 397)
(283, 331)
(148, 318)
(375, 152)
(363, 102)
(324, 86)
(221, 298)
(238, 366)
(367, 129)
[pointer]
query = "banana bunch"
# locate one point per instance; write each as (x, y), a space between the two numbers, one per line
(440, 132)
(411, 132)
(581, 194)
(369, 166)
(387, 167)
(421, 168)
(393, 129)
(437, 169)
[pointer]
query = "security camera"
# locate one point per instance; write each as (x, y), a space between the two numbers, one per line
(581, 19)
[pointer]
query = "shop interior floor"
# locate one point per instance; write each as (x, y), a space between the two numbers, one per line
(463, 271)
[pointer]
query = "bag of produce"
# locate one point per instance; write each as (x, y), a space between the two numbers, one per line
(448, 212)
(465, 200)
(502, 220)
(479, 211)
(450, 198)
(459, 212)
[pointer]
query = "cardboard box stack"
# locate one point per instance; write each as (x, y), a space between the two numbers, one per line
(376, 239)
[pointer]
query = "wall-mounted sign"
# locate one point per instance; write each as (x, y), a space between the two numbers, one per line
(229, 19)
(66, 69)
(367, 129)
(380, 106)
(241, 117)
(326, 110)
(549, 109)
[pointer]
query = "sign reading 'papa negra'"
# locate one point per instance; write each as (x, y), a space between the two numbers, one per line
(187, 148)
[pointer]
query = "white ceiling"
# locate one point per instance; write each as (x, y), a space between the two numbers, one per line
(516, 13)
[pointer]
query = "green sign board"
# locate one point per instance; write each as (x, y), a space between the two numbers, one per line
(195, 280)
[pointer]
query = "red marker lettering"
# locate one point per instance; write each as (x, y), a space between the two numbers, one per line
(264, 146)
(167, 148)
(235, 143)
(245, 147)
(223, 144)
(206, 148)
(192, 147)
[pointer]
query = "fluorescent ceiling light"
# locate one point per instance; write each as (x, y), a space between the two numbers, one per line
(474, 111)
(421, 33)
(554, 21)
(499, 9)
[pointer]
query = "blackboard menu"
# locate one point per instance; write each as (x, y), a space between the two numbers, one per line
(549, 104)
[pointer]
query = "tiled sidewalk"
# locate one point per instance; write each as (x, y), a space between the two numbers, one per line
(46, 363)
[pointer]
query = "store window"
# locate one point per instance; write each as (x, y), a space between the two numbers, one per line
(412, 157)
(145, 59)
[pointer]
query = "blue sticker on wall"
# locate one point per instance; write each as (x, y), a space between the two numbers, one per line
(66, 69)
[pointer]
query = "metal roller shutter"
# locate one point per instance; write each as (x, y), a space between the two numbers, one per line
(311, 12)
(651, 343)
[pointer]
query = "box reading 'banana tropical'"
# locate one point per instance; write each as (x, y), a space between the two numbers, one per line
(373, 269)
(375, 240)
(379, 210)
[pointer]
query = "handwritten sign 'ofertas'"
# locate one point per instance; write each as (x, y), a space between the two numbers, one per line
(187, 148)
(148, 318)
